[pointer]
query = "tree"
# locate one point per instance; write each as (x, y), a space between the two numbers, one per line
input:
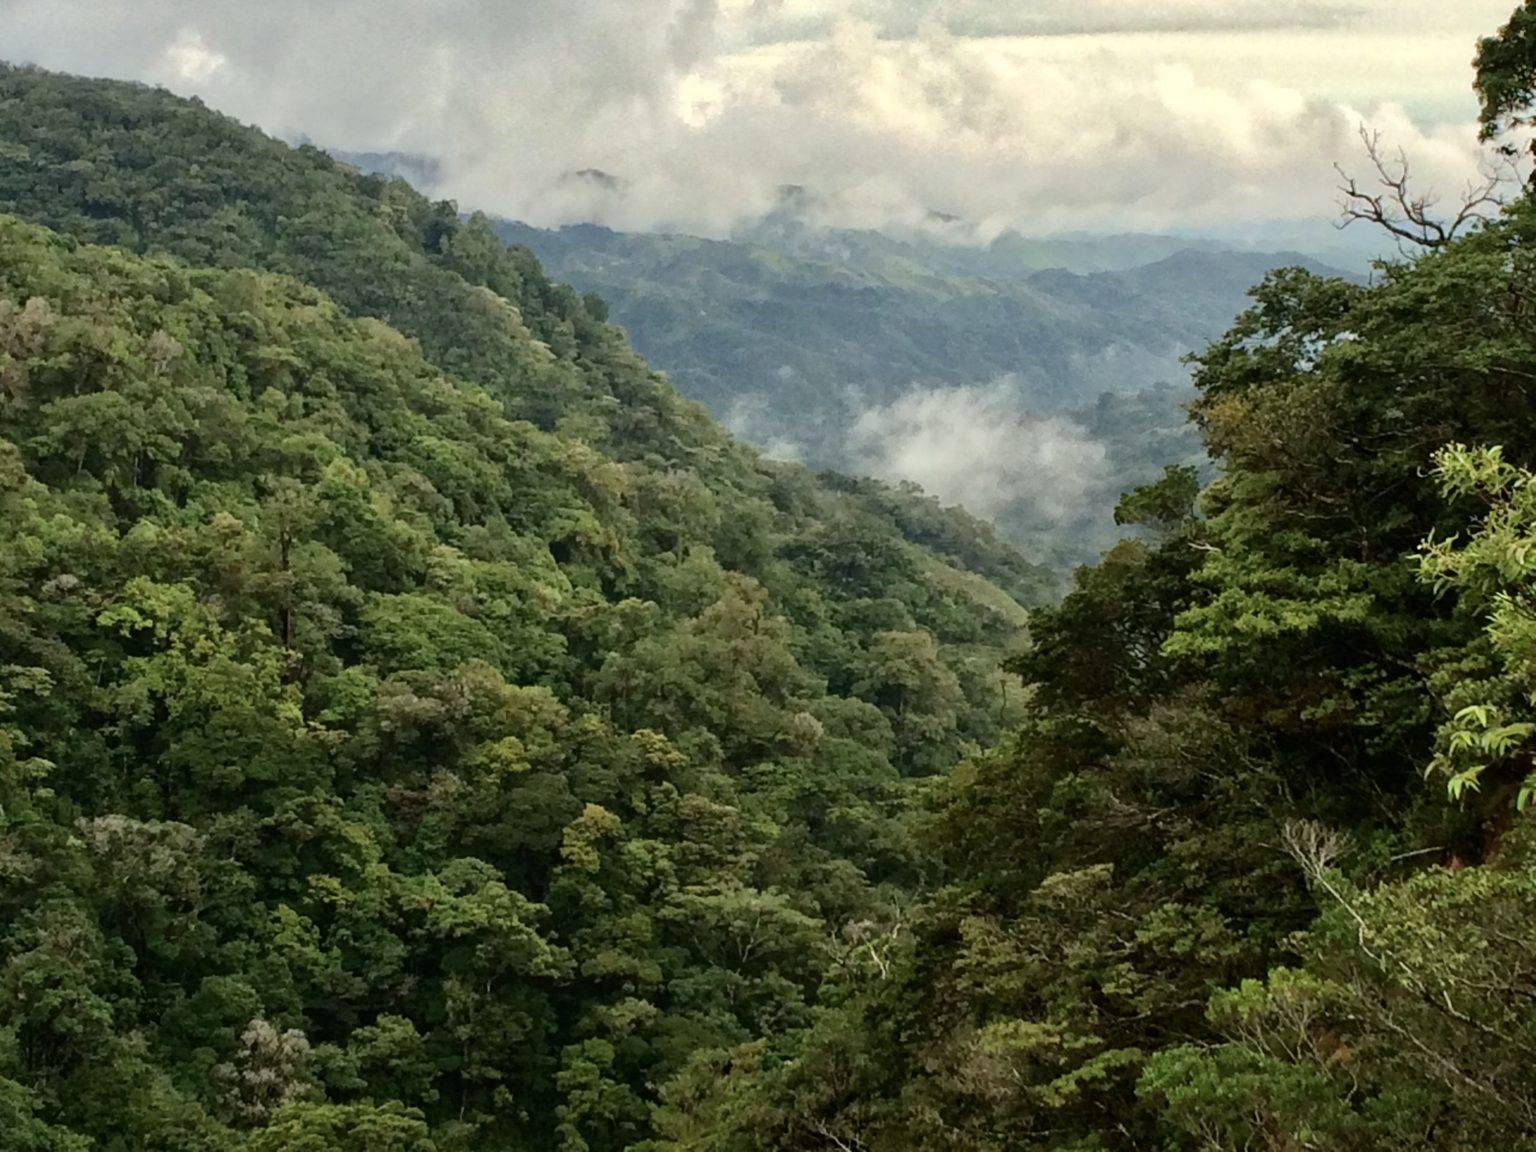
(1410, 217)
(1485, 745)
(1506, 74)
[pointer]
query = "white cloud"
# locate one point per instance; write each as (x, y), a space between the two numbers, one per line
(750, 418)
(1056, 114)
(191, 60)
(1072, 17)
(977, 446)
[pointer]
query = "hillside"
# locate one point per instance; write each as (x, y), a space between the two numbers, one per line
(1257, 873)
(422, 730)
(417, 723)
(1033, 396)
(125, 165)
(791, 335)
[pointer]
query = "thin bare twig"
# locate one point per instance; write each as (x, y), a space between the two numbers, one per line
(1410, 218)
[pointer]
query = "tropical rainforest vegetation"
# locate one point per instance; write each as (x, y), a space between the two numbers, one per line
(419, 724)
(823, 345)
(421, 729)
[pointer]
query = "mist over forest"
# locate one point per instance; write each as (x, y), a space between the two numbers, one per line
(1032, 395)
(767, 576)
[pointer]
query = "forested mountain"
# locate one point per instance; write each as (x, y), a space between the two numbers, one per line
(422, 730)
(418, 725)
(1258, 871)
(794, 333)
(851, 350)
(1033, 380)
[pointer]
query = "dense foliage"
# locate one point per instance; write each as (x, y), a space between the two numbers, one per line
(1255, 872)
(418, 726)
(421, 730)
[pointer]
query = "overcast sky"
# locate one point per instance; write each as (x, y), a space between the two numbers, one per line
(1039, 114)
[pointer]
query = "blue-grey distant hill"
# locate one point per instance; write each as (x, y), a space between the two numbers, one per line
(790, 334)
(1032, 379)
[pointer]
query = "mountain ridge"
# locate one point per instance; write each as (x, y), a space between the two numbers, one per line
(420, 727)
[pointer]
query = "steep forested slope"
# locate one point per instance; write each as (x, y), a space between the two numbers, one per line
(418, 726)
(1257, 871)
(412, 742)
(120, 164)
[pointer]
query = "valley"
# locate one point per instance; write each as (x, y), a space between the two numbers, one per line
(467, 687)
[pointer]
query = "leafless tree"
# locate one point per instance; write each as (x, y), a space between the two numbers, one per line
(1312, 845)
(843, 1143)
(876, 940)
(1412, 219)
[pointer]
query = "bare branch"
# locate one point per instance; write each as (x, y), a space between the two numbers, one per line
(1312, 846)
(1409, 218)
(876, 940)
(849, 1144)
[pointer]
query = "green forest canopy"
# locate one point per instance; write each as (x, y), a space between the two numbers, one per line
(393, 662)
(422, 730)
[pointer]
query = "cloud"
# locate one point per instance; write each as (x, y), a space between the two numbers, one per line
(977, 446)
(1052, 115)
(751, 419)
(192, 60)
(1010, 135)
(1056, 17)
(899, 18)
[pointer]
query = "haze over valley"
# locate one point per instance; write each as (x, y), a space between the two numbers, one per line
(767, 576)
(1031, 380)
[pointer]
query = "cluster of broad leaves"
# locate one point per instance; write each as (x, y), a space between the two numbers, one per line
(1256, 873)
(419, 728)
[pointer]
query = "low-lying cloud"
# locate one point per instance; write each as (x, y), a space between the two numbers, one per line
(750, 418)
(977, 446)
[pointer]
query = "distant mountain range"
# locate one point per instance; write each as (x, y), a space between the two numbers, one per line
(1031, 379)
(790, 335)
